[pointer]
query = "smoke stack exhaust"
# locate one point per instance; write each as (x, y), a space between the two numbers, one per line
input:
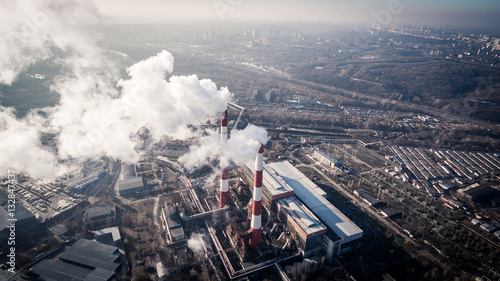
(224, 184)
(256, 223)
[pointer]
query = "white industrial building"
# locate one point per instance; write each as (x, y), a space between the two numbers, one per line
(303, 206)
(327, 159)
(344, 233)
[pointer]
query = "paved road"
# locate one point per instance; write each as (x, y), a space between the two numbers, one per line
(155, 213)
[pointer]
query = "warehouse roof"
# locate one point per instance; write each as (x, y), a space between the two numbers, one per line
(21, 213)
(308, 192)
(131, 184)
(84, 261)
(51, 270)
(113, 231)
(98, 211)
(128, 171)
(92, 254)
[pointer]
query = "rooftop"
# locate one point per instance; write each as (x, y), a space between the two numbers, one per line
(131, 184)
(308, 222)
(22, 215)
(128, 171)
(310, 194)
(97, 211)
(115, 233)
(272, 183)
(84, 261)
(92, 254)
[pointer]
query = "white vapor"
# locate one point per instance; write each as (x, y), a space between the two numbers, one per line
(98, 113)
(195, 243)
(103, 124)
(21, 148)
(31, 29)
(240, 147)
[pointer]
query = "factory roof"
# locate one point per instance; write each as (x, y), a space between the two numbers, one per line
(174, 152)
(115, 234)
(128, 171)
(98, 211)
(131, 184)
(389, 212)
(22, 215)
(78, 182)
(272, 183)
(84, 261)
(308, 192)
(92, 254)
(370, 199)
(302, 216)
(53, 270)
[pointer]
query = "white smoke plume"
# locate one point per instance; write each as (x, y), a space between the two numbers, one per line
(21, 148)
(195, 243)
(102, 124)
(240, 147)
(99, 114)
(31, 30)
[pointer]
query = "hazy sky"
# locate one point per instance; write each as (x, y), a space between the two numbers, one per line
(482, 13)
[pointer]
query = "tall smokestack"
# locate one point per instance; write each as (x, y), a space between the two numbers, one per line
(256, 223)
(224, 184)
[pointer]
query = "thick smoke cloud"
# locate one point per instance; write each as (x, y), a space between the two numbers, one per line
(108, 125)
(241, 147)
(20, 146)
(98, 113)
(195, 243)
(30, 30)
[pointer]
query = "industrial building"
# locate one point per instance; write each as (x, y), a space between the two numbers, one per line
(343, 234)
(367, 197)
(26, 224)
(389, 212)
(300, 220)
(82, 184)
(275, 187)
(100, 215)
(303, 206)
(131, 187)
(109, 236)
(327, 159)
(129, 171)
(174, 229)
(85, 260)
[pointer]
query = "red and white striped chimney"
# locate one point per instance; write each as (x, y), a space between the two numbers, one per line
(256, 223)
(224, 184)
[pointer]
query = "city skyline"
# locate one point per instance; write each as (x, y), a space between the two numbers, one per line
(473, 14)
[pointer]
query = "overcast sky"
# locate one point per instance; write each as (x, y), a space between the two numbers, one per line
(474, 13)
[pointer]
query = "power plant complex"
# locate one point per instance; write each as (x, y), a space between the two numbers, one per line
(290, 217)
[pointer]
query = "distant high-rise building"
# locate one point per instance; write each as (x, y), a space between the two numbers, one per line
(255, 34)
(208, 34)
(274, 33)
